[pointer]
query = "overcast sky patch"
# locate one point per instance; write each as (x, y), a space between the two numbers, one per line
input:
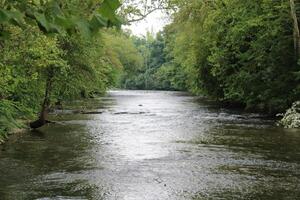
(152, 23)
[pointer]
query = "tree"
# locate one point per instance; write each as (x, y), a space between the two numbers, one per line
(55, 20)
(296, 28)
(238, 52)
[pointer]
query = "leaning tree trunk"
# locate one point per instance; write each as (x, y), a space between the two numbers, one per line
(293, 4)
(42, 120)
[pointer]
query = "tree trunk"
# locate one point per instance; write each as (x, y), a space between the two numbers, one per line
(296, 29)
(45, 107)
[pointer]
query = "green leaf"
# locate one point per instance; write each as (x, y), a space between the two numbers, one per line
(54, 28)
(83, 27)
(108, 9)
(64, 22)
(16, 16)
(113, 4)
(97, 22)
(11, 15)
(55, 9)
(42, 21)
(3, 16)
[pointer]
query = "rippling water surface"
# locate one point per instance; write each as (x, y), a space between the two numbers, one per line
(152, 145)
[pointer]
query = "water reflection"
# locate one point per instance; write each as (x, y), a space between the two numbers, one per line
(152, 145)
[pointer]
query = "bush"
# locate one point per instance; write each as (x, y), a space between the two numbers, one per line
(291, 119)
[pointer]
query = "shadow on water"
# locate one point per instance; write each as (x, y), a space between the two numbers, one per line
(37, 133)
(44, 163)
(269, 143)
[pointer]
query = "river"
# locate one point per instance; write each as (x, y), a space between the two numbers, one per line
(152, 145)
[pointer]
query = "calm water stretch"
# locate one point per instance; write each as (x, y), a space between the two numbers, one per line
(152, 146)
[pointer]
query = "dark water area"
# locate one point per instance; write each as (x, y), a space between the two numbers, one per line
(152, 145)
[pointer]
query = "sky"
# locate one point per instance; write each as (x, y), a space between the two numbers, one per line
(153, 22)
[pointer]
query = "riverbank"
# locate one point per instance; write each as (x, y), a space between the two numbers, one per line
(88, 106)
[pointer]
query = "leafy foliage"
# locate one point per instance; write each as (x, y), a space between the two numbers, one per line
(237, 51)
(60, 16)
(52, 51)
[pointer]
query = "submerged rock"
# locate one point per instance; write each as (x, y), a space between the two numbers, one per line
(291, 119)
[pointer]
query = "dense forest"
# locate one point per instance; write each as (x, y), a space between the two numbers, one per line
(55, 51)
(234, 51)
(237, 52)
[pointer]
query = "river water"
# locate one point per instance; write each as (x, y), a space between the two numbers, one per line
(152, 145)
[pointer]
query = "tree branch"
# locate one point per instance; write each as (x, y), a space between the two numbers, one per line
(143, 16)
(147, 10)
